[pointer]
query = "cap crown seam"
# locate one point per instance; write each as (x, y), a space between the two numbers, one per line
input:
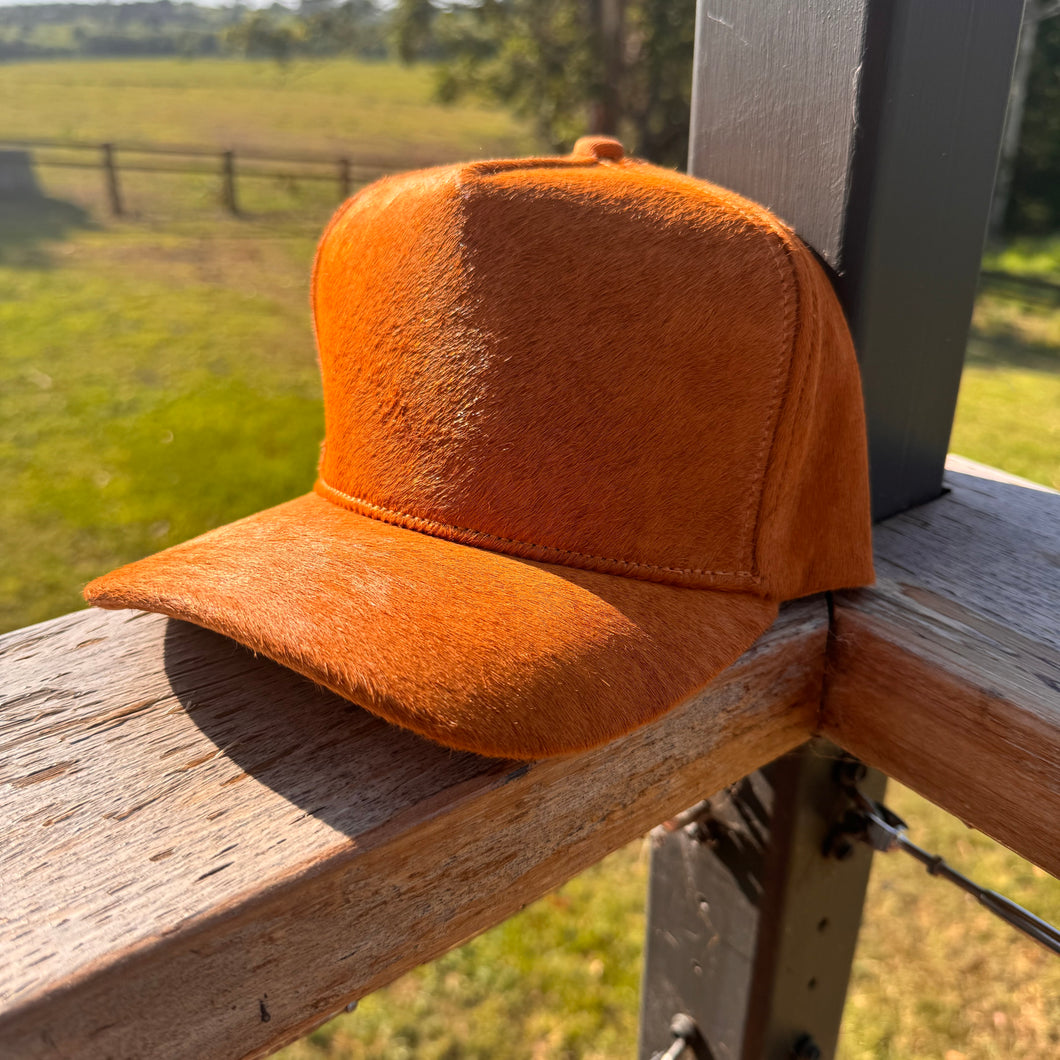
(433, 526)
(786, 370)
(781, 379)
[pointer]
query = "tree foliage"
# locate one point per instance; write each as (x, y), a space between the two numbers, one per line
(570, 66)
(319, 28)
(1034, 201)
(164, 27)
(262, 36)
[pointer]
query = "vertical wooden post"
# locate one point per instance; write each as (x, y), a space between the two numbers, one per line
(751, 924)
(110, 180)
(872, 127)
(344, 178)
(228, 182)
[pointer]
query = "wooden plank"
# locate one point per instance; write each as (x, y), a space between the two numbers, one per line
(872, 128)
(946, 674)
(205, 855)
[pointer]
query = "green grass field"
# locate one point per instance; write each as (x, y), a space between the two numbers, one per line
(343, 106)
(157, 377)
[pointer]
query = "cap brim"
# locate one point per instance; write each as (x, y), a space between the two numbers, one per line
(476, 650)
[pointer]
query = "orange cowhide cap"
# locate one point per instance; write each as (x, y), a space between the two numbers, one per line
(588, 422)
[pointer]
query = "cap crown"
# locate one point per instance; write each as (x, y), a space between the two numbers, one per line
(593, 363)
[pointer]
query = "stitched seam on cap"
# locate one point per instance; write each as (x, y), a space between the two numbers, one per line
(499, 167)
(787, 396)
(781, 381)
(433, 526)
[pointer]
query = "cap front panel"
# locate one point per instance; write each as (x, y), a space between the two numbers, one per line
(390, 309)
(580, 363)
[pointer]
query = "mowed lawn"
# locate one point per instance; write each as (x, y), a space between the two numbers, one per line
(157, 377)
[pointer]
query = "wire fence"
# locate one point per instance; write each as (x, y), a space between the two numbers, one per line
(229, 166)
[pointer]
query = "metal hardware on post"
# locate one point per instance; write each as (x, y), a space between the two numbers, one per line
(686, 1037)
(869, 821)
(110, 176)
(751, 928)
(228, 182)
(805, 1048)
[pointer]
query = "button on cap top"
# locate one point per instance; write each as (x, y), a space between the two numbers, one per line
(599, 147)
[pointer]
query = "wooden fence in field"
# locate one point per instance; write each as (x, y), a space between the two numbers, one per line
(229, 166)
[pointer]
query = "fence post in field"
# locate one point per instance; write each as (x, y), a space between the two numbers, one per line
(873, 129)
(110, 176)
(344, 178)
(228, 182)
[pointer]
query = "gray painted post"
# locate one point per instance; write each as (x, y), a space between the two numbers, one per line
(751, 923)
(873, 128)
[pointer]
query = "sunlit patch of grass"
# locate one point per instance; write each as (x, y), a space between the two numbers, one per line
(1008, 413)
(1031, 256)
(1008, 329)
(139, 407)
(1014, 412)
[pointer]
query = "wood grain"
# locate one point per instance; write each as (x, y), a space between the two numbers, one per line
(206, 856)
(946, 675)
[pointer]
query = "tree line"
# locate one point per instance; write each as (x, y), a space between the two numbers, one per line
(622, 67)
(164, 27)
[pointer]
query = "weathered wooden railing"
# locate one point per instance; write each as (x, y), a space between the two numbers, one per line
(205, 855)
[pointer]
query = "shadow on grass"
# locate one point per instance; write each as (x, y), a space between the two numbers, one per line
(1006, 347)
(29, 223)
(1016, 325)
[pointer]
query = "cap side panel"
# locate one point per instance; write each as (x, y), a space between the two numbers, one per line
(391, 308)
(356, 203)
(336, 219)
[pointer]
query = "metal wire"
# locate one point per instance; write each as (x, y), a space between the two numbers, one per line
(1021, 919)
(884, 831)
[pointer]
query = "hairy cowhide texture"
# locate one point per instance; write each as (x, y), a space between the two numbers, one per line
(587, 423)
